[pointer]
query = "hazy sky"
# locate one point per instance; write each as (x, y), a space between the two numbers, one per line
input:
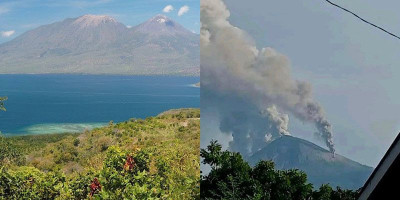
(18, 16)
(353, 67)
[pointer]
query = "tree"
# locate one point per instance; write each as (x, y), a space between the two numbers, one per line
(230, 177)
(343, 194)
(233, 178)
(324, 192)
(2, 99)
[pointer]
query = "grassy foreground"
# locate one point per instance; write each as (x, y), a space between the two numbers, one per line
(154, 158)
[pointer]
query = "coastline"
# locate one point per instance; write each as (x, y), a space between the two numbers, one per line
(55, 128)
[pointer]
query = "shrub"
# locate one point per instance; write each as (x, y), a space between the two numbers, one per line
(142, 159)
(30, 183)
(122, 182)
(76, 142)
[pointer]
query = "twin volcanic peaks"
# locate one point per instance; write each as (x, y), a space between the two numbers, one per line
(90, 20)
(99, 44)
(106, 18)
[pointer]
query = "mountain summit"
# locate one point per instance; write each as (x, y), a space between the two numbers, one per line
(318, 163)
(99, 44)
(93, 20)
(162, 25)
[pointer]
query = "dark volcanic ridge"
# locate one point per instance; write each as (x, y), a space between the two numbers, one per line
(99, 44)
(321, 167)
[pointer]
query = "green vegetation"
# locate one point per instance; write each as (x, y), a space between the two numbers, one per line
(154, 158)
(2, 99)
(13, 150)
(232, 178)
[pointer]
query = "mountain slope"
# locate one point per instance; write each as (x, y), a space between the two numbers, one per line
(97, 44)
(290, 152)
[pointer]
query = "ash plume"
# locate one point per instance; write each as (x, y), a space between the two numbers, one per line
(233, 70)
(251, 128)
(281, 121)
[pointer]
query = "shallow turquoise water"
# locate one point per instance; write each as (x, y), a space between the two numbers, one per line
(40, 104)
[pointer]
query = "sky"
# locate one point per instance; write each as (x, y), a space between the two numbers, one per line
(19, 16)
(353, 67)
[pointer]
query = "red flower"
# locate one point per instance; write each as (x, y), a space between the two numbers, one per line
(95, 186)
(130, 163)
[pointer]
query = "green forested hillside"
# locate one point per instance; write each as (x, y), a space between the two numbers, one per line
(154, 158)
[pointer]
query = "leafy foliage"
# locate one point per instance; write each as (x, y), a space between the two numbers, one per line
(13, 150)
(2, 99)
(9, 153)
(137, 159)
(233, 178)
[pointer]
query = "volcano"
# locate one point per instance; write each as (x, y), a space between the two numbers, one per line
(321, 167)
(99, 44)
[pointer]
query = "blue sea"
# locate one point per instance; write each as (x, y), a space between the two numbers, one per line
(45, 104)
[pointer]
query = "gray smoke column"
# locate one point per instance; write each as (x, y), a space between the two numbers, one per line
(233, 68)
(281, 121)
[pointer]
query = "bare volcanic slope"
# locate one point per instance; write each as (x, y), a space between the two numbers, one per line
(97, 44)
(290, 152)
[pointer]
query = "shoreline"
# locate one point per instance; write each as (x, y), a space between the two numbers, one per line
(73, 128)
(195, 85)
(55, 128)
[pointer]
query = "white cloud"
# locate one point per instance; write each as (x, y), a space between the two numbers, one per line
(183, 10)
(128, 26)
(168, 9)
(7, 33)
